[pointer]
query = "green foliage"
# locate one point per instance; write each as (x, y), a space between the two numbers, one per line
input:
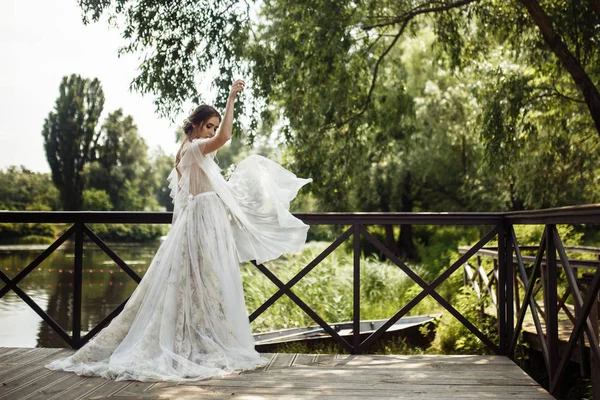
(531, 235)
(129, 232)
(122, 169)
(22, 189)
(162, 165)
(452, 337)
(179, 41)
(328, 289)
(438, 245)
(97, 200)
(456, 107)
(26, 230)
(70, 136)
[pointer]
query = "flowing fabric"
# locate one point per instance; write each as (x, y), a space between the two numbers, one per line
(187, 318)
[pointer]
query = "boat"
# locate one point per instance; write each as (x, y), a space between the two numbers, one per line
(406, 327)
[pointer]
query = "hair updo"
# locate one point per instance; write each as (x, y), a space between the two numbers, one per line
(200, 115)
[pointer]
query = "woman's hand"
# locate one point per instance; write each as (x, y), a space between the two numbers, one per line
(237, 87)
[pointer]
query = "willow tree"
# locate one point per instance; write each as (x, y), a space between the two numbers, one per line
(70, 136)
(329, 76)
(179, 40)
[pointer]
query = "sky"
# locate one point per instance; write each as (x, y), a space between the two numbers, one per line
(40, 42)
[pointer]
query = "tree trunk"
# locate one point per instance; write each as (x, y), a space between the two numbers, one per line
(567, 59)
(390, 241)
(406, 246)
(596, 7)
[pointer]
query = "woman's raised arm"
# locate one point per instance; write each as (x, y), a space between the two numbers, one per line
(225, 130)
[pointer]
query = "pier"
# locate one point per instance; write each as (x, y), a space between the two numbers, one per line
(287, 376)
(357, 374)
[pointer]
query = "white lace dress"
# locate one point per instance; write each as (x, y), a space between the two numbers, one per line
(187, 319)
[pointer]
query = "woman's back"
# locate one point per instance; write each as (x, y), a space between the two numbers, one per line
(191, 177)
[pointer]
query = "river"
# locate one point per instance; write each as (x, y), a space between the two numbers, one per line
(105, 286)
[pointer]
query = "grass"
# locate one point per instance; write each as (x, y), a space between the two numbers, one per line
(385, 289)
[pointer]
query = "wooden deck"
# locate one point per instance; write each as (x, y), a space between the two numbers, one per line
(287, 376)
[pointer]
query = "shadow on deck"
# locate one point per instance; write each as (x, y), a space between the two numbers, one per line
(287, 376)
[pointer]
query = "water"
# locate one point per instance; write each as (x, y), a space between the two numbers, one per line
(105, 286)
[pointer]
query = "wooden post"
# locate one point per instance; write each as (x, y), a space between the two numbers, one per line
(516, 293)
(510, 287)
(502, 277)
(584, 361)
(356, 294)
(594, 362)
(77, 283)
(551, 302)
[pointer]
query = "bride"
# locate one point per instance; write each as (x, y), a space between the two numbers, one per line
(187, 318)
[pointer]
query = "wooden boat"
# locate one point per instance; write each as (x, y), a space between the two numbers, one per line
(406, 327)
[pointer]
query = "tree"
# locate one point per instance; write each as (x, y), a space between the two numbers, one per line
(162, 165)
(179, 40)
(338, 29)
(24, 190)
(70, 136)
(122, 168)
(334, 83)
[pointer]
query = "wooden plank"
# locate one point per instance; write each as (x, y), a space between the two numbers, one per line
(326, 360)
(18, 371)
(513, 373)
(6, 368)
(55, 356)
(440, 359)
(84, 386)
(12, 357)
(406, 392)
(389, 382)
(55, 389)
(280, 360)
(38, 354)
(304, 359)
(297, 376)
(357, 382)
(35, 385)
(5, 350)
(108, 390)
(8, 386)
(136, 389)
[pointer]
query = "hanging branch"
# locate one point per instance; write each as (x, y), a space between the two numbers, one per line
(404, 20)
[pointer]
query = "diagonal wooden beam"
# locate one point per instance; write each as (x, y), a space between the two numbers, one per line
(311, 313)
(590, 299)
(38, 310)
(428, 289)
(589, 329)
(301, 274)
(104, 322)
(89, 233)
(38, 260)
(528, 298)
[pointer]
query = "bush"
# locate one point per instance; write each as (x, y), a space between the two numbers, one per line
(452, 337)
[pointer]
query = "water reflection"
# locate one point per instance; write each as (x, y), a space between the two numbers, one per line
(105, 286)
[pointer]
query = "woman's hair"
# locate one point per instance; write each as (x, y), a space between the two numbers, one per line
(198, 117)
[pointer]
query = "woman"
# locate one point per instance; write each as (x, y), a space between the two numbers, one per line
(187, 318)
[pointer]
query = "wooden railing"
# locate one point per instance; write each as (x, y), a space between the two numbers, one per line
(498, 228)
(484, 282)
